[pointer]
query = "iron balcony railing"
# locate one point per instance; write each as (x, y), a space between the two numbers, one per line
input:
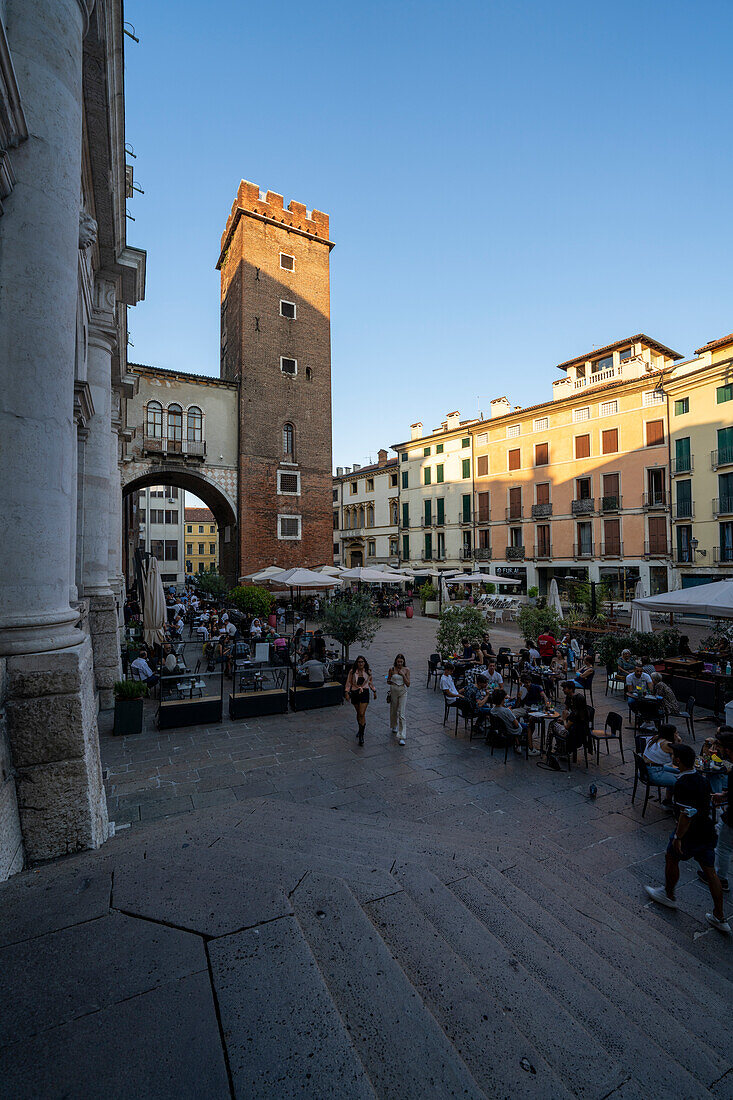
(584, 550)
(465, 517)
(482, 553)
(612, 549)
(683, 509)
(540, 511)
(543, 550)
(722, 457)
(657, 548)
(583, 506)
(723, 555)
(657, 498)
(682, 465)
(515, 511)
(723, 506)
(611, 503)
(515, 553)
(427, 556)
(196, 448)
(466, 554)
(683, 555)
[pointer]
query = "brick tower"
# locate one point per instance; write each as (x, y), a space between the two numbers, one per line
(276, 343)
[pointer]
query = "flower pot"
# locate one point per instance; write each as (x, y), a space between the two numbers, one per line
(128, 716)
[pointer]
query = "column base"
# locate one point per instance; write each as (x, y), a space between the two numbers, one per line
(54, 741)
(105, 633)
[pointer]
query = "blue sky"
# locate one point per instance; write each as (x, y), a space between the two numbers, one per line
(509, 184)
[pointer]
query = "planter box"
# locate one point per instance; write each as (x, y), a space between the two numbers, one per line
(252, 704)
(308, 698)
(189, 712)
(432, 607)
(128, 716)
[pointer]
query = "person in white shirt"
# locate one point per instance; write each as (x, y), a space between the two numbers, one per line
(638, 682)
(143, 671)
(316, 671)
(447, 683)
(493, 677)
(534, 655)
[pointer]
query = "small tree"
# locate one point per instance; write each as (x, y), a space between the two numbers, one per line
(211, 584)
(254, 601)
(349, 617)
(534, 621)
(427, 592)
(457, 624)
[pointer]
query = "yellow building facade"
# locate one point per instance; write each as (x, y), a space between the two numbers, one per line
(201, 542)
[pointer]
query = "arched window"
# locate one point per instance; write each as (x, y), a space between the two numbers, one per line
(154, 420)
(370, 515)
(288, 440)
(347, 519)
(361, 516)
(195, 425)
(175, 427)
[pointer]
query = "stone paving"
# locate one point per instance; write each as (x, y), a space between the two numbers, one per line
(290, 914)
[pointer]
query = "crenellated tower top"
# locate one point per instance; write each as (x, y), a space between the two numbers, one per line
(271, 208)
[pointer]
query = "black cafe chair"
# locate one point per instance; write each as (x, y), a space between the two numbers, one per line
(641, 775)
(610, 732)
(689, 716)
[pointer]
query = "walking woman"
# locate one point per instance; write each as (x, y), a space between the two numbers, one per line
(358, 685)
(399, 681)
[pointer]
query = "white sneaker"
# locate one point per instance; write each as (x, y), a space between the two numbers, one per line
(402, 741)
(534, 752)
(721, 925)
(658, 894)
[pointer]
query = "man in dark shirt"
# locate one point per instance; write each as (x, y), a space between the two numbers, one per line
(693, 838)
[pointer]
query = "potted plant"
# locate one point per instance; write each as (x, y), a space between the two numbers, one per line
(532, 594)
(428, 598)
(129, 695)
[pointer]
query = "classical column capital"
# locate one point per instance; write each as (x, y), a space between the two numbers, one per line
(103, 318)
(86, 7)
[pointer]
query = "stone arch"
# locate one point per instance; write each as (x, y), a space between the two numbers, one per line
(213, 496)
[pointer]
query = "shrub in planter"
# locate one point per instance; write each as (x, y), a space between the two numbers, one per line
(252, 600)
(457, 623)
(129, 695)
(534, 621)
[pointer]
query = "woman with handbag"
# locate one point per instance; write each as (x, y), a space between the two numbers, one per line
(358, 685)
(398, 679)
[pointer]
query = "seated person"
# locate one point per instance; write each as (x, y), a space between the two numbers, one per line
(625, 662)
(648, 667)
(586, 672)
(658, 756)
(684, 647)
(316, 671)
(547, 645)
(447, 683)
(638, 682)
(469, 651)
(670, 703)
(534, 655)
(141, 670)
(170, 662)
(530, 694)
(571, 732)
(508, 721)
(493, 677)
(486, 650)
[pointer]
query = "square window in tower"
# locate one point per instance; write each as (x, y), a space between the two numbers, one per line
(287, 309)
(287, 263)
(288, 366)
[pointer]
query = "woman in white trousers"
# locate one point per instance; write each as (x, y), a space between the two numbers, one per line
(399, 681)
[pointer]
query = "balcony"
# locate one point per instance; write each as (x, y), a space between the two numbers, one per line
(723, 555)
(683, 465)
(585, 506)
(584, 550)
(425, 556)
(657, 498)
(683, 509)
(657, 548)
(190, 448)
(484, 516)
(541, 511)
(482, 553)
(723, 457)
(514, 553)
(425, 522)
(612, 549)
(723, 506)
(466, 554)
(611, 504)
(543, 551)
(635, 367)
(465, 517)
(515, 511)
(683, 555)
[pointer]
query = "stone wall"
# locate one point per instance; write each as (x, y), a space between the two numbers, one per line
(11, 840)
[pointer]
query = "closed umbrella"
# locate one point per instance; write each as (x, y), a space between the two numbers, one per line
(714, 600)
(641, 620)
(155, 616)
(554, 598)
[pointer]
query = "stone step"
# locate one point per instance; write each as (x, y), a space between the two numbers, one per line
(609, 928)
(633, 1027)
(400, 1044)
(284, 1036)
(502, 1060)
(565, 1044)
(634, 911)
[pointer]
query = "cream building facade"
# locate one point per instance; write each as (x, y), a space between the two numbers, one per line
(67, 276)
(365, 513)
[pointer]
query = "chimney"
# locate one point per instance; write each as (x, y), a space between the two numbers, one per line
(499, 406)
(381, 457)
(339, 471)
(416, 430)
(347, 469)
(452, 421)
(357, 466)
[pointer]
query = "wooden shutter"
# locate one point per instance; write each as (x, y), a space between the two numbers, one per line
(582, 446)
(543, 493)
(610, 441)
(482, 465)
(654, 433)
(515, 459)
(541, 454)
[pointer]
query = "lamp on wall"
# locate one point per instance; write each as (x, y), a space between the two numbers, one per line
(694, 543)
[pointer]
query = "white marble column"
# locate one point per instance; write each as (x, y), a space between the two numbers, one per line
(50, 699)
(114, 552)
(98, 487)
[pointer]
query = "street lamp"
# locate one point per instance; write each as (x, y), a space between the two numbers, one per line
(694, 543)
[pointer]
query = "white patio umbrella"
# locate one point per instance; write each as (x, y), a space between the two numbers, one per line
(302, 578)
(263, 574)
(480, 578)
(641, 620)
(329, 570)
(155, 616)
(553, 599)
(372, 576)
(714, 600)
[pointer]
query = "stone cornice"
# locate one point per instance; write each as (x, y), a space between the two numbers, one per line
(83, 404)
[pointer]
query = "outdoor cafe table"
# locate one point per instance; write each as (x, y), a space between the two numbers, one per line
(541, 717)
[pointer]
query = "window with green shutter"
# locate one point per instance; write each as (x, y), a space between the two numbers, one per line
(466, 508)
(403, 456)
(405, 479)
(428, 512)
(466, 442)
(682, 406)
(428, 547)
(405, 515)
(466, 467)
(439, 448)
(426, 451)
(682, 457)
(405, 547)
(725, 446)
(724, 393)
(426, 476)
(440, 509)
(439, 472)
